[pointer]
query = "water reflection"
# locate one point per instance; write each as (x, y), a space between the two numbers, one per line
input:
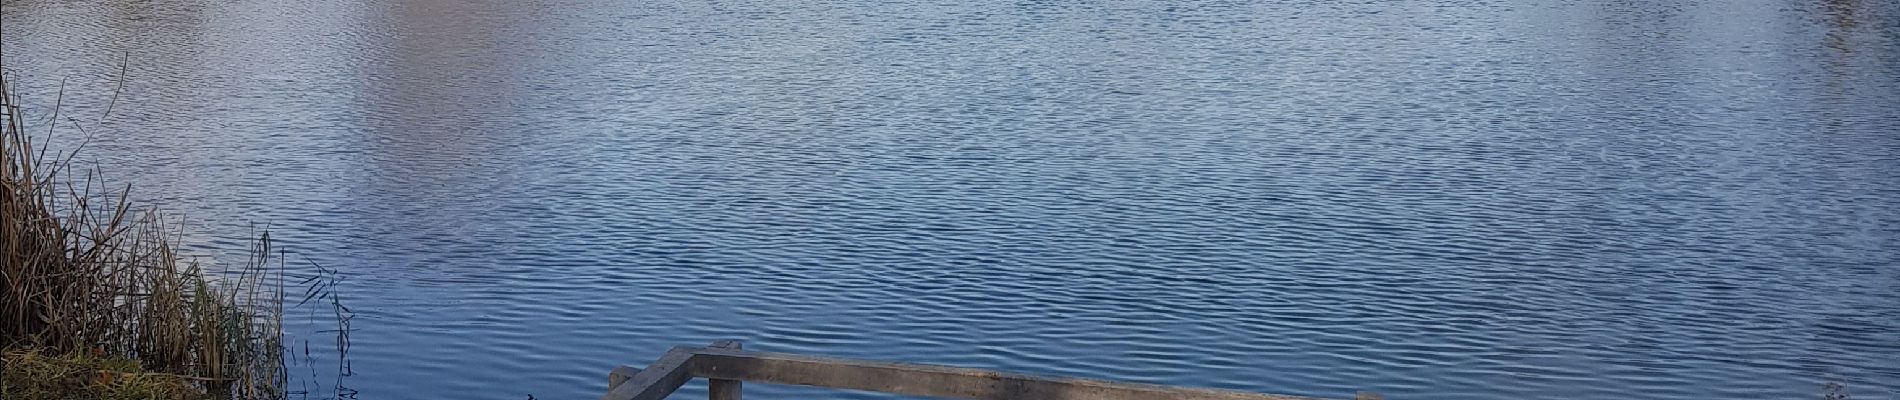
(443, 103)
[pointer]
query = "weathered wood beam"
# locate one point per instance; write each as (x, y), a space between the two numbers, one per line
(657, 380)
(619, 375)
(931, 380)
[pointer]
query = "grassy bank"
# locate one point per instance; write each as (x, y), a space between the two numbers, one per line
(96, 302)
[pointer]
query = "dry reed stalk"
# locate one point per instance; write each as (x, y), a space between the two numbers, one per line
(86, 271)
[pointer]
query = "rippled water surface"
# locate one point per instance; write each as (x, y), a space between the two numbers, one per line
(1428, 199)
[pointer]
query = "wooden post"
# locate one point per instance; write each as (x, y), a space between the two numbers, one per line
(725, 389)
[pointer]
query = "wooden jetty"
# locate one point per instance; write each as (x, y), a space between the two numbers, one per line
(726, 367)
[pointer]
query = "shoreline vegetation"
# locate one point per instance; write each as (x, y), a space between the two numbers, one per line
(96, 302)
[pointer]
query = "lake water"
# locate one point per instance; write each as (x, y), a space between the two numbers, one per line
(1428, 199)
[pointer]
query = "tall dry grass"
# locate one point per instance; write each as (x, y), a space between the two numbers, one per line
(88, 272)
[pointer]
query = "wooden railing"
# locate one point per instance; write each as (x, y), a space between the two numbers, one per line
(726, 367)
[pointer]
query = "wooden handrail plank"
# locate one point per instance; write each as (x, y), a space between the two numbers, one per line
(932, 380)
(619, 375)
(657, 380)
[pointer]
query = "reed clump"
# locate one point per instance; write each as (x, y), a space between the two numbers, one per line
(96, 301)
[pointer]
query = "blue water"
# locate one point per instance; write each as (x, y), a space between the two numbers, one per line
(1428, 199)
